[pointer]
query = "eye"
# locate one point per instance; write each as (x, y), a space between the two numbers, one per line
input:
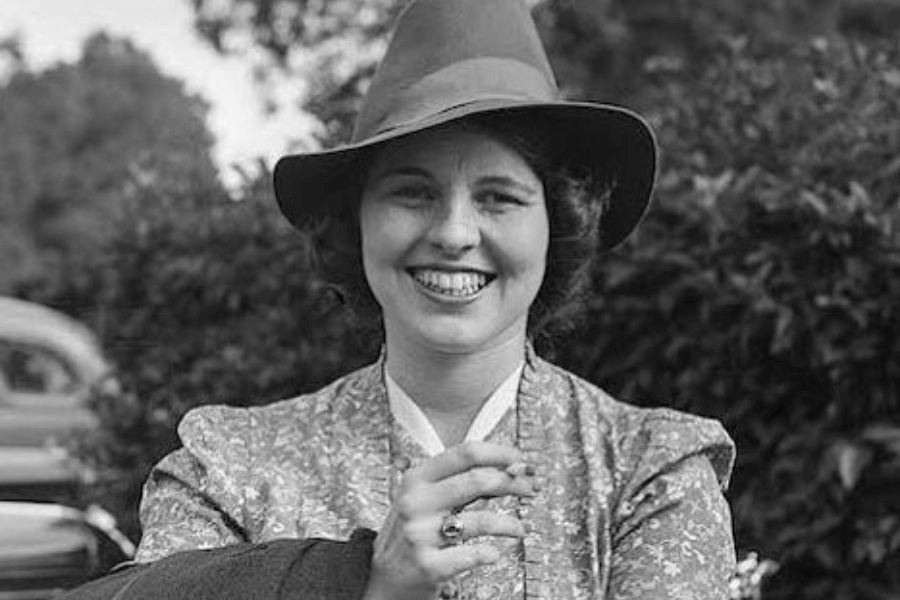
(412, 193)
(499, 200)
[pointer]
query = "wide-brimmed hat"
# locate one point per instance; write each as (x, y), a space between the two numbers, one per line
(451, 59)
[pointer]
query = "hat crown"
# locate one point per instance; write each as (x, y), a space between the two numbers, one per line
(447, 53)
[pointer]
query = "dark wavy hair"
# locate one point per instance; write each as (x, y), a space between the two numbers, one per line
(576, 202)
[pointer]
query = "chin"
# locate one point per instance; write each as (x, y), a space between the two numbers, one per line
(464, 338)
(453, 342)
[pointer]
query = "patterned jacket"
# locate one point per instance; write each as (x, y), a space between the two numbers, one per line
(631, 505)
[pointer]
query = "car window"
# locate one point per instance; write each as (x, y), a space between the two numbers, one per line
(32, 369)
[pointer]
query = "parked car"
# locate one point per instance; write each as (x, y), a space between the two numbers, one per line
(49, 365)
(48, 548)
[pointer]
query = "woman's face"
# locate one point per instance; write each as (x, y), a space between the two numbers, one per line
(454, 239)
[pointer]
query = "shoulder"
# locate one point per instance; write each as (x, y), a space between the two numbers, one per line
(661, 438)
(213, 428)
(645, 439)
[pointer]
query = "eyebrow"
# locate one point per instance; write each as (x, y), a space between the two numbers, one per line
(508, 181)
(402, 171)
(412, 171)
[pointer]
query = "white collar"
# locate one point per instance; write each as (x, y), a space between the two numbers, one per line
(411, 417)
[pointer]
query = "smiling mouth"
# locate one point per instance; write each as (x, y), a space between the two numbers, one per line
(458, 284)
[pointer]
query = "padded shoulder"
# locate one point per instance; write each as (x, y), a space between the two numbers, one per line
(216, 431)
(646, 439)
(663, 437)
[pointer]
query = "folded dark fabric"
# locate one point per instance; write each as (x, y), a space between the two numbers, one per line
(311, 569)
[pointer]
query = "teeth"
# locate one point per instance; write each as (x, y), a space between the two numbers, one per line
(452, 284)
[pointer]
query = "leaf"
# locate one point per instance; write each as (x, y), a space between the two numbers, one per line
(814, 201)
(852, 460)
(892, 78)
(885, 435)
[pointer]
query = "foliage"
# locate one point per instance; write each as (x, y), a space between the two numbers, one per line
(333, 46)
(198, 299)
(598, 48)
(11, 55)
(761, 290)
(76, 138)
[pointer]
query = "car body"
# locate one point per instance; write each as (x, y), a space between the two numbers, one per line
(49, 366)
(48, 548)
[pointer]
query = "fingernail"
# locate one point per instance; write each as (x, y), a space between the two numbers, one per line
(516, 469)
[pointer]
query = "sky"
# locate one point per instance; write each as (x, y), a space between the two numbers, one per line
(54, 30)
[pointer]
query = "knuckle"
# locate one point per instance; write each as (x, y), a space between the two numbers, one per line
(410, 480)
(490, 524)
(483, 480)
(476, 479)
(469, 452)
(429, 568)
(476, 523)
(406, 506)
(408, 531)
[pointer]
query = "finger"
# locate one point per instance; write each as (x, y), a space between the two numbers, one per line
(463, 457)
(426, 531)
(447, 563)
(481, 523)
(521, 469)
(467, 487)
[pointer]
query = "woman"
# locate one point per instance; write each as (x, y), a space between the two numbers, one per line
(466, 214)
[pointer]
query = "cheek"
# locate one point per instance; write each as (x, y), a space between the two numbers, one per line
(371, 232)
(385, 236)
(526, 250)
(539, 236)
(538, 258)
(540, 247)
(373, 228)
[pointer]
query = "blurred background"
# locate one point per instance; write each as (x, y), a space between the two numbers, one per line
(763, 289)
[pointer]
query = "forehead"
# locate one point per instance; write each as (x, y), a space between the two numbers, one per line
(453, 148)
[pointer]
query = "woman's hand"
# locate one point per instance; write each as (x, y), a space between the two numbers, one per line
(411, 558)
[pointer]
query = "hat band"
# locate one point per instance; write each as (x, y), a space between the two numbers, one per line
(468, 81)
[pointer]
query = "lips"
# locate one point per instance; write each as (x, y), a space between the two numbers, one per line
(458, 284)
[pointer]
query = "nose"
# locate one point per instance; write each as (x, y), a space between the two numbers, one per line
(454, 228)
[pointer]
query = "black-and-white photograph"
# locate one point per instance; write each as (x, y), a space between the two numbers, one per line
(449, 300)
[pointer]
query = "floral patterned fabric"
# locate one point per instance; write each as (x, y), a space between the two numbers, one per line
(631, 506)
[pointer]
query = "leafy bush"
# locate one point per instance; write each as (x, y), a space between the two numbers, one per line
(74, 138)
(762, 289)
(200, 300)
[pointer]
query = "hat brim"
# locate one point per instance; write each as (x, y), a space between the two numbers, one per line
(614, 141)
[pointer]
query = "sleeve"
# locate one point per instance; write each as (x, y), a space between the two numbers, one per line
(672, 537)
(313, 569)
(194, 498)
(196, 546)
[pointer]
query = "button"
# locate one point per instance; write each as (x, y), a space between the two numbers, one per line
(448, 591)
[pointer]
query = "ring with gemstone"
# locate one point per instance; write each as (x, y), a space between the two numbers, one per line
(452, 530)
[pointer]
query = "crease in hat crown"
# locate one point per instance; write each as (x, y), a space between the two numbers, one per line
(450, 53)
